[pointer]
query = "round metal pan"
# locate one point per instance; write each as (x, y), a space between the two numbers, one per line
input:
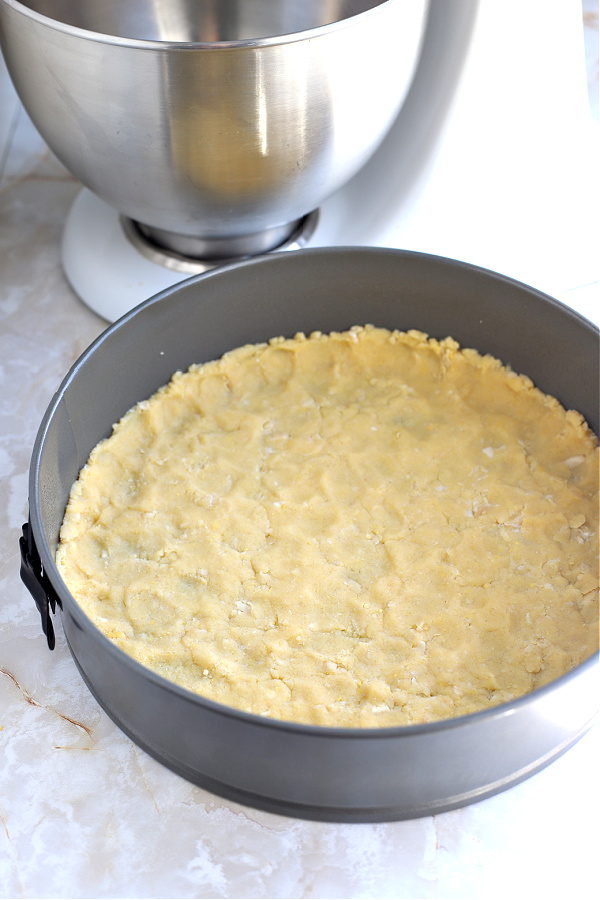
(335, 774)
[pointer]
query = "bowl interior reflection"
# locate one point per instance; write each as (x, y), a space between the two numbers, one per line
(191, 21)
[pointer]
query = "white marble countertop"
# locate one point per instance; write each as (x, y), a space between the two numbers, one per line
(86, 813)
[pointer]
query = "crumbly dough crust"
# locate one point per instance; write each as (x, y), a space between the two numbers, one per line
(367, 528)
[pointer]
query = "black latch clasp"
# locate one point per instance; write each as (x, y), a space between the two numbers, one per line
(37, 582)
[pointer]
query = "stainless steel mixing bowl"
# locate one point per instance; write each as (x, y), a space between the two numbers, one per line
(215, 124)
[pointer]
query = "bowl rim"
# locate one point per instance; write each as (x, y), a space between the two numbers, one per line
(173, 46)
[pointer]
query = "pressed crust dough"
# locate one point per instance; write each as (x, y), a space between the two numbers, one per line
(367, 528)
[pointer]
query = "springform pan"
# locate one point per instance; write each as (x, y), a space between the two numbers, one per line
(316, 772)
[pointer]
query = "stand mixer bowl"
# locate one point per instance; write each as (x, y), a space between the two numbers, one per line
(215, 125)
